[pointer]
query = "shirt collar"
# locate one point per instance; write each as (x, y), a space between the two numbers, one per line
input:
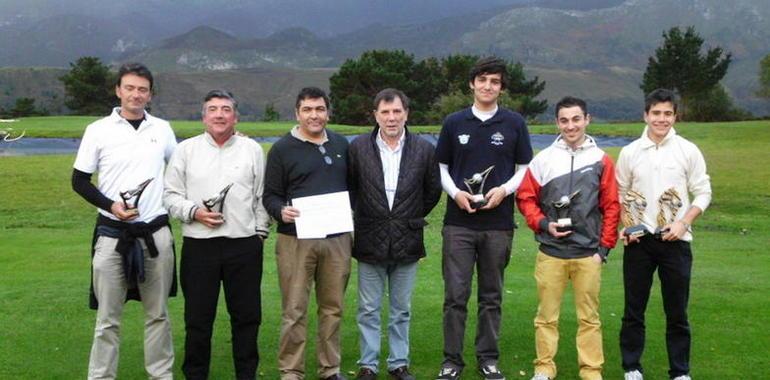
(475, 111)
(297, 135)
(210, 139)
(118, 118)
(589, 142)
(648, 143)
(468, 113)
(383, 145)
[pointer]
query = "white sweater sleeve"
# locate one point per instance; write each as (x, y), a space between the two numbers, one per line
(513, 184)
(446, 181)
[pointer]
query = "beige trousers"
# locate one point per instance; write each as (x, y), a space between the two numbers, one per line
(552, 275)
(302, 263)
(110, 288)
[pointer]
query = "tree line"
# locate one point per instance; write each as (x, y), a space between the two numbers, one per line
(436, 87)
(440, 86)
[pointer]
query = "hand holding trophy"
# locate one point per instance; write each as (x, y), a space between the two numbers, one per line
(562, 206)
(668, 206)
(218, 199)
(131, 197)
(477, 182)
(632, 216)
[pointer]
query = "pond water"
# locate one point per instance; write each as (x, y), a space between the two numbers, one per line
(34, 146)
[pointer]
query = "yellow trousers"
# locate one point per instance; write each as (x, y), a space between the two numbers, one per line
(552, 275)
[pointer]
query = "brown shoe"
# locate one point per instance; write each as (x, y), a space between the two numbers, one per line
(401, 373)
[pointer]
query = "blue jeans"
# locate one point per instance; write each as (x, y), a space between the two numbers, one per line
(372, 279)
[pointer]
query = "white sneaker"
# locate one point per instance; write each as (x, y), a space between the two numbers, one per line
(683, 377)
(540, 376)
(635, 375)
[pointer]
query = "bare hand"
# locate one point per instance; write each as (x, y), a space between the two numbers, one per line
(119, 210)
(628, 239)
(463, 200)
(598, 258)
(552, 230)
(288, 214)
(675, 231)
(209, 218)
(494, 197)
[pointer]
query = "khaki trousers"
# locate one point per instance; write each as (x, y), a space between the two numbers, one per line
(302, 263)
(552, 275)
(110, 288)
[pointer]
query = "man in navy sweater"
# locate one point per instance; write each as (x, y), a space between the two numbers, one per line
(309, 160)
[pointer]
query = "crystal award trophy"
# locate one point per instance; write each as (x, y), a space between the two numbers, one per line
(218, 199)
(562, 206)
(475, 186)
(131, 197)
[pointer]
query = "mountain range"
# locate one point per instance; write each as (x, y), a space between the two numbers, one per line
(596, 49)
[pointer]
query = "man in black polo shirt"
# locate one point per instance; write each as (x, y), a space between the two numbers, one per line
(476, 233)
(309, 160)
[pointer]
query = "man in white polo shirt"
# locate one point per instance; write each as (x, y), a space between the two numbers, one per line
(665, 169)
(133, 253)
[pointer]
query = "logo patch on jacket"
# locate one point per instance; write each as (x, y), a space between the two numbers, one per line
(497, 139)
(464, 139)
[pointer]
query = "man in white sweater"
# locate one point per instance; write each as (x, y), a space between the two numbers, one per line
(214, 186)
(665, 169)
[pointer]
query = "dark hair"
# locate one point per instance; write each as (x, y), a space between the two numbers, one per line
(570, 101)
(390, 94)
(311, 93)
(220, 94)
(135, 68)
(660, 95)
(490, 65)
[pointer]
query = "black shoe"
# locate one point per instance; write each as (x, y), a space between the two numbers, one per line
(491, 372)
(336, 376)
(401, 373)
(448, 373)
(366, 374)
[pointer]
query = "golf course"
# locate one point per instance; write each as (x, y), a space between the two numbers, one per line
(46, 326)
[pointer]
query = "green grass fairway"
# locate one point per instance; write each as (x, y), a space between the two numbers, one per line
(46, 326)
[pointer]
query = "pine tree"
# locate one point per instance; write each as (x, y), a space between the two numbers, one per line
(680, 65)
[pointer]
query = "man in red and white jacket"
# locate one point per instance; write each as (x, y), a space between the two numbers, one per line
(569, 198)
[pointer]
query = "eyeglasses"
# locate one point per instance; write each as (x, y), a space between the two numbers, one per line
(327, 159)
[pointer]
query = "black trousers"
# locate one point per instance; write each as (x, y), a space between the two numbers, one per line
(673, 261)
(237, 264)
(488, 252)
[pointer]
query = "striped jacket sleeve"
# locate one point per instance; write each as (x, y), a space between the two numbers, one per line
(528, 201)
(609, 204)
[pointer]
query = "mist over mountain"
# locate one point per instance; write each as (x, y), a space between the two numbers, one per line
(596, 49)
(42, 32)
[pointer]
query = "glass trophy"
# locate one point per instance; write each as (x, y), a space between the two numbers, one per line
(475, 186)
(562, 206)
(131, 197)
(217, 200)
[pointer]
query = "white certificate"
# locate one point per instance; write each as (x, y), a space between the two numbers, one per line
(321, 215)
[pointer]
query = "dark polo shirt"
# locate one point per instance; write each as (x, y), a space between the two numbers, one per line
(468, 145)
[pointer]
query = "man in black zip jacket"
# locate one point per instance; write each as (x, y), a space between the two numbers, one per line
(395, 183)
